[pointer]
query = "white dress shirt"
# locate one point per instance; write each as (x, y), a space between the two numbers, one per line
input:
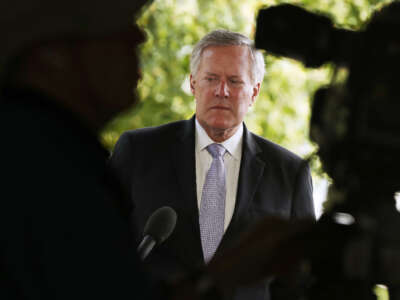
(232, 158)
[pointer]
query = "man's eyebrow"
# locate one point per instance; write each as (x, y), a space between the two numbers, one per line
(211, 74)
(231, 76)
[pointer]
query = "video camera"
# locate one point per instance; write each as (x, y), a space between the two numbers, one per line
(356, 125)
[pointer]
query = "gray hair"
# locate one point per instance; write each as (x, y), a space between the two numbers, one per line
(222, 37)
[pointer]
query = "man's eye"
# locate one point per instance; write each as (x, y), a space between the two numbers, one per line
(234, 81)
(210, 79)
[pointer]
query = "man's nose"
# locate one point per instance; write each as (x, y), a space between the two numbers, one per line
(222, 90)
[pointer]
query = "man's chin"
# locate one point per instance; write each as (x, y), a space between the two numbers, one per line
(221, 125)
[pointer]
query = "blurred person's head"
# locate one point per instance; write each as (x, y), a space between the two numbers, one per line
(226, 75)
(80, 53)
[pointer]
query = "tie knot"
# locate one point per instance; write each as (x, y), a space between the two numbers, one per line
(216, 150)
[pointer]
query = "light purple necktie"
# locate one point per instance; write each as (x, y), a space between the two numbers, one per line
(212, 206)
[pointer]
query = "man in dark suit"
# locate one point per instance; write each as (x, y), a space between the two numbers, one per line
(216, 196)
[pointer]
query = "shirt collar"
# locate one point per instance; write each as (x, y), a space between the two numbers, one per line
(233, 145)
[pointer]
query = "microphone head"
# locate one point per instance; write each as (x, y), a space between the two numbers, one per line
(161, 224)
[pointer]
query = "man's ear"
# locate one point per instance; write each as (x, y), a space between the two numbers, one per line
(192, 83)
(256, 91)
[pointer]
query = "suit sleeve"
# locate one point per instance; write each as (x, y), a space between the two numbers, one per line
(303, 203)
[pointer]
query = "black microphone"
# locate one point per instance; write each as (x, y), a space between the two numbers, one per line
(158, 228)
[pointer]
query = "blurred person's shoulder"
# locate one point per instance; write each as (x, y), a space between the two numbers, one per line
(160, 134)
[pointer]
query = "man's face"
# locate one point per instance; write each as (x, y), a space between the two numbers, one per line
(223, 88)
(111, 70)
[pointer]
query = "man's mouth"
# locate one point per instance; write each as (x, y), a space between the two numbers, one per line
(220, 107)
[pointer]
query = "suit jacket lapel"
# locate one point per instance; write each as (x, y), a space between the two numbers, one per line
(183, 154)
(251, 170)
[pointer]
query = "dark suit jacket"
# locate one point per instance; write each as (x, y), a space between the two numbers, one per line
(157, 165)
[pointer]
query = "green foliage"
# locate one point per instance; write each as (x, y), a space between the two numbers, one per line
(282, 110)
